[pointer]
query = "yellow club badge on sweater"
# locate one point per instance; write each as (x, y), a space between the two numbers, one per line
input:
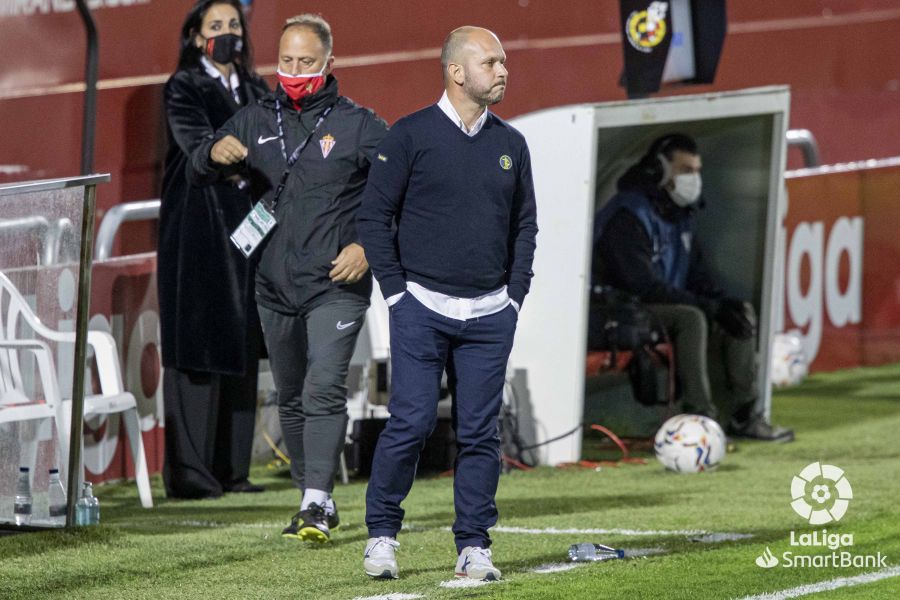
(505, 162)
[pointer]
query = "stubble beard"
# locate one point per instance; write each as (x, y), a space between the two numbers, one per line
(496, 96)
(484, 97)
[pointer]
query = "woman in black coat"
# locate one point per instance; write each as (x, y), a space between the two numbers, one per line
(211, 338)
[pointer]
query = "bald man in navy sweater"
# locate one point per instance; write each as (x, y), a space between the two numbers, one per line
(448, 224)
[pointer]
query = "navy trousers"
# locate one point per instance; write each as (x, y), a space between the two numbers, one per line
(474, 353)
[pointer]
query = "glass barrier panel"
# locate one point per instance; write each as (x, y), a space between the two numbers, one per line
(40, 242)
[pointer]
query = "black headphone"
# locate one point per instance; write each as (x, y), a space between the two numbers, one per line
(656, 167)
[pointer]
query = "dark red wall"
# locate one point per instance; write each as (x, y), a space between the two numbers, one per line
(840, 57)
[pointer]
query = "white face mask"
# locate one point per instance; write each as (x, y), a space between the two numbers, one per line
(687, 189)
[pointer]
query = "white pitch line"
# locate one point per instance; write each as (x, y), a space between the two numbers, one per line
(698, 535)
(622, 532)
(397, 596)
(195, 523)
(715, 538)
(218, 525)
(464, 582)
(825, 586)
(642, 552)
(568, 566)
(555, 568)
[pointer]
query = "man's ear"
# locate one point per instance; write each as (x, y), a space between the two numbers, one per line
(329, 66)
(457, 73)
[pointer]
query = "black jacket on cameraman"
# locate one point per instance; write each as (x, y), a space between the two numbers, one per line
(316, 211)
(205, 285)
(624, 255)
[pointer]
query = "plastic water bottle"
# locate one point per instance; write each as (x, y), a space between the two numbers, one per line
(87, 509)
(587, 551)
(94, 509)
(23, 500)
(57, 497)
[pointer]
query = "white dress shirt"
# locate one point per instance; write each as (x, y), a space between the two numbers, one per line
(232, 84)
(445, 105)
(451, 306)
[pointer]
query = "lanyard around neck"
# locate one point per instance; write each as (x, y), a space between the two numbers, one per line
(295, 155)
(280, 122)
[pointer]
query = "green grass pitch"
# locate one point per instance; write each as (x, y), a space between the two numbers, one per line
(232, 548)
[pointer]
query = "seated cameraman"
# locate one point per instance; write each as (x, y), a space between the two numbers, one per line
(645, 244)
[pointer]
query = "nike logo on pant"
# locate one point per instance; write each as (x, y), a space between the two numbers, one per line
(341, 326)
(261, 140)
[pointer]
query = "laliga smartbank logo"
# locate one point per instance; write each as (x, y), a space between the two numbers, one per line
(820, 494)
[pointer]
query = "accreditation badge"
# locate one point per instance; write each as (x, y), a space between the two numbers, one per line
(253, 229)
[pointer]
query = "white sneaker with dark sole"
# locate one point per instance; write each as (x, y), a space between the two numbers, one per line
(475, 563)
(379, 560)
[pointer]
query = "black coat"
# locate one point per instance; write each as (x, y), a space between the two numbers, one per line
(205, 284)
(317, 210)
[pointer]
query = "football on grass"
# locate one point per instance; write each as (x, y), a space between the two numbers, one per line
(690, 444)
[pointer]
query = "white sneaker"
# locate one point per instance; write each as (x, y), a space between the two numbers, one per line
(475, 563)
(379, 560)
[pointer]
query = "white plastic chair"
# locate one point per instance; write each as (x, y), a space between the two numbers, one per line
(112, 397)
(15, 406)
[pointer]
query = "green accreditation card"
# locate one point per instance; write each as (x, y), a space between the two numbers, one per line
(253, 229)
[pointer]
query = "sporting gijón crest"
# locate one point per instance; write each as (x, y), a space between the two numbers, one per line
(327, 143)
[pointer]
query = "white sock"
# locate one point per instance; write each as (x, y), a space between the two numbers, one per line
(311, 496)
(329, 506)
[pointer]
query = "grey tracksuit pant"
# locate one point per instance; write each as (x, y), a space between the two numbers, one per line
(309, 354)
(716, 372)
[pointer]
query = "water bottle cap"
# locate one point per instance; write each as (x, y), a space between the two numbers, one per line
(54, 471)
(23, 469)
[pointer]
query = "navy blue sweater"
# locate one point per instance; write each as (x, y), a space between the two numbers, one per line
(453, 213)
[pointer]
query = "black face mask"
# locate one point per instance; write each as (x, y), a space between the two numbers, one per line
(224, 48)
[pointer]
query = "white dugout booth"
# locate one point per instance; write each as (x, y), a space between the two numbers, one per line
(578, 152)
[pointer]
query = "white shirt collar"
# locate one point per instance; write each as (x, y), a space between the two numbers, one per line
(232, 84)
(445, 105)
